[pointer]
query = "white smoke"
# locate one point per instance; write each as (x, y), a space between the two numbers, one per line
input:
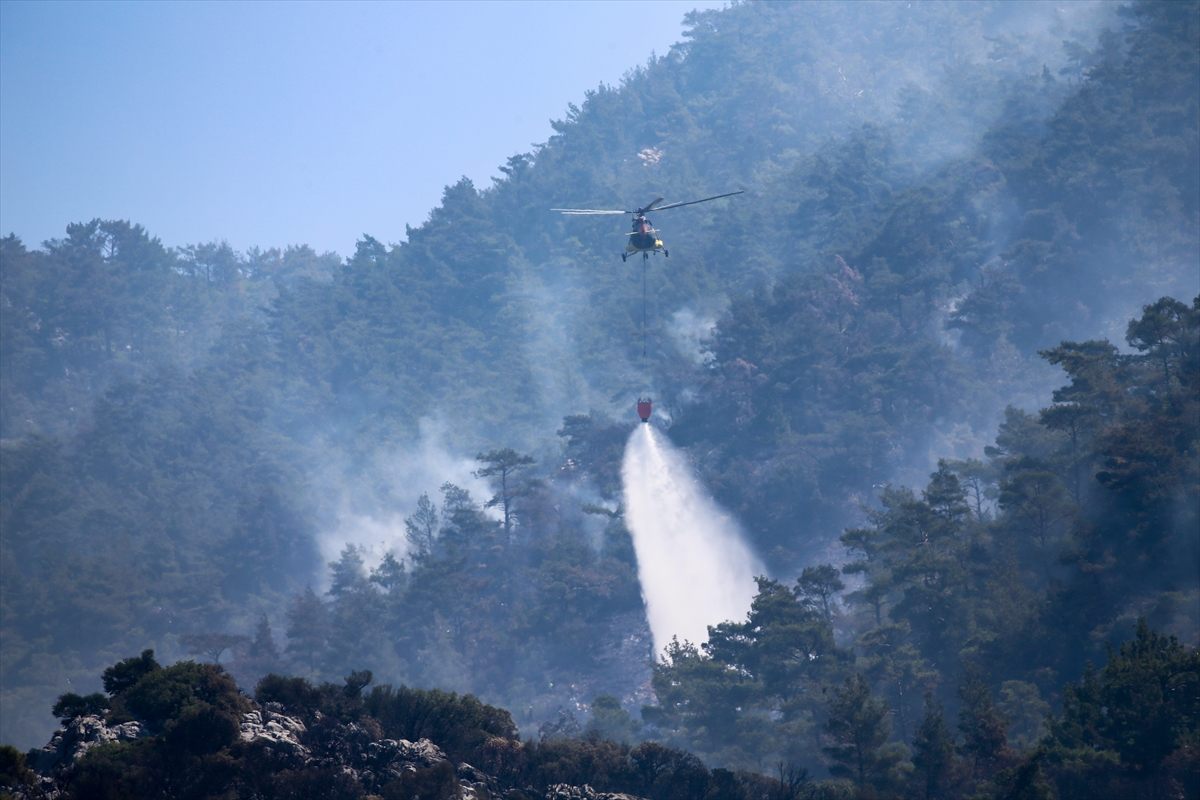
(375, 525)
(691, 333)
(693, 565)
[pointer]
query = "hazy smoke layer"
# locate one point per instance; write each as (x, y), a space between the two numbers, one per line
(694, 568)
(371, 516)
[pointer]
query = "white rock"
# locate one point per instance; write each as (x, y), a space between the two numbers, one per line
(279, 732)
(82, 734)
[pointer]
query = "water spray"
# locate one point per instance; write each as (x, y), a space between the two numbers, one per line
(693, 565)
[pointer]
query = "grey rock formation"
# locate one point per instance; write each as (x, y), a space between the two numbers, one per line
(421, 754)
(276, 732)
(69, 743)
(289, 743)
(565, 791)
(387, 759)
(347, 748)
(474, 782)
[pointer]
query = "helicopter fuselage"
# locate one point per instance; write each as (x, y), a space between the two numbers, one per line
(643, 238)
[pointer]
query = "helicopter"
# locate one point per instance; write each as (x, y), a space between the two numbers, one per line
(643, 238)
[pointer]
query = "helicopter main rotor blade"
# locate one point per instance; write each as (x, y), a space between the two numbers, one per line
(651, 207)
(693, 202)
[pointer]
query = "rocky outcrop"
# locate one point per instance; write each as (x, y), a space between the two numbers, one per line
(350, 749)
(400, 755)
(565, 791)
(69, 743)
(275, 732)
(383, 761)
(347, 748)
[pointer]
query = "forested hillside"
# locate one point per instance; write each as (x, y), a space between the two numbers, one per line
(940, 361)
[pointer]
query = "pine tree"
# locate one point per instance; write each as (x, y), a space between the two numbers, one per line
(212, 644)
(859, 725)
(505, 465)
(390, 575)
(349, 574)
(308, 627)
(896, 666)
(1025, 781)
(263, 651)
(946, 497)
(612, 721)
(818, 586)
(933, 753)
(978, 481)
(421, 529)
(985, 738)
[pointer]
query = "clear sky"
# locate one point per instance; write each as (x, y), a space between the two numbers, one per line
(283, 123)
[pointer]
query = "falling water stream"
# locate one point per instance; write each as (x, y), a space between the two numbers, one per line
(693, 565)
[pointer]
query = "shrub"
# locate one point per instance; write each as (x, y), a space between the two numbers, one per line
(458, 725)
(71, 705)
(124, 674)
(436, 783)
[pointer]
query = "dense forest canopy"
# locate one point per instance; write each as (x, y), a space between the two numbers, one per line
(940, 361)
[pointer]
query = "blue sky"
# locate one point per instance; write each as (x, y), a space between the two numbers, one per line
(271, 124)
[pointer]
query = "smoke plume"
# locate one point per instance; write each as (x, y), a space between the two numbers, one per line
(371, 513)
